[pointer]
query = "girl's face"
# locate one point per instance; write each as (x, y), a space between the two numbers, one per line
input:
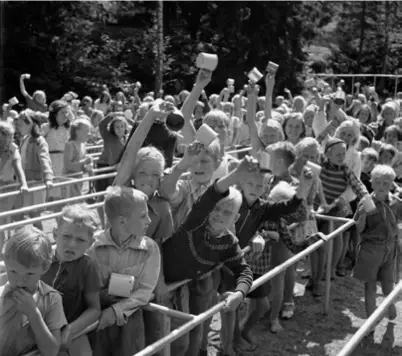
(348, 135)
(293, 130)
(298, 106)
(388, 115)
(364, 115)
(220, 128)
(119, 96)
(83, 133)
(147, 176)
(386, 157)
(119, 128)
(198, 112)
(270, 135)
(23, 128)
(310, 154)
(63, 115)
(40, 98)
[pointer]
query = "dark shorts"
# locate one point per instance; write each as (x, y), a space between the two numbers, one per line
(102, 184)
(262, 291)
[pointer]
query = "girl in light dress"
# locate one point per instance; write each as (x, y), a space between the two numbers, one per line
(75, 158)
(10, 164)
(56, 133)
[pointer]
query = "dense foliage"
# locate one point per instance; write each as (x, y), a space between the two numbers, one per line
(81, 45)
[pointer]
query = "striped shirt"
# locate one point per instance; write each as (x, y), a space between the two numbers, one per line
(335, 180)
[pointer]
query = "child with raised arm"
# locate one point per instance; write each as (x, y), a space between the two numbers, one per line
(75, 275)
(31, 312)
(379, 233)
(36, 102)
(124, 249)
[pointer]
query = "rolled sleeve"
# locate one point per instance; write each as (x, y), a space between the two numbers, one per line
(144, 287)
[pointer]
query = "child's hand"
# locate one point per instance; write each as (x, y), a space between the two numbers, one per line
(88, 160)
(24, 302)
(66, 338)
(257, 246)
(192, 150)
(49, 184)
(24, 188)
(26, 76)
(247, 165)
(286, 90)
(233, 300)
(107, 318)
(160, 109)
(357, 85)
(203, 77)
(161, 292)
(270, 82)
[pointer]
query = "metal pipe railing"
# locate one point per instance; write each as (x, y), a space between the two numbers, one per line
(371, 321)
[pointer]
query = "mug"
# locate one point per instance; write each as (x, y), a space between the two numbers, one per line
(13, 101)
(272, 67)
(315, 168)
(121, 285)
(205, 135)
(27, 76)
(207, 61)
(254, 75)
(368, 204)
(310, 83)
(175, 120)
(265, 162)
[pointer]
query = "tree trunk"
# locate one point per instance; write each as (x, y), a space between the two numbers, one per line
(159, 49)
(362, 29)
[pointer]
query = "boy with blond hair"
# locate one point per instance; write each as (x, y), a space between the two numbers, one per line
(124, 249)
(379, 233)
(31, 312)
(76, 275)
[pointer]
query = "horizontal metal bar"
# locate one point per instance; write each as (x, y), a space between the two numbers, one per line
(358, 75)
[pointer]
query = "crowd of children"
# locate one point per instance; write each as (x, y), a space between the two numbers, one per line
(183, 207)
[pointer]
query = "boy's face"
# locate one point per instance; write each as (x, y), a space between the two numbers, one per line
(278, 166)
(72, 241)
(269, 135)
(147, 176)
(20, 276)
(381, 186)
(223, 216)
(202, 168)
(391, 137)
(367, 164)
(253, 187)
(336, 154)
(386, 157)
(310, 154)
(138, 222)
(308, 118)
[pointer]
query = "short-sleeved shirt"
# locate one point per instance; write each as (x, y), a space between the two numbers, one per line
(6, 164)
(73, 280)
(17, 337)
(34, 105)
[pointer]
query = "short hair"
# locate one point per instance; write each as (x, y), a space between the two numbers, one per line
(365, 141)
(149, 153)
(77, 125)
(122, 201)
(284, 150)
(370, 153)
(388, 148)
(228, 106)
(273, 124)
(383, 171)
(7, 129)
(234, 197)
(393, 129)
(30, 247)
(306, 142)
(30, 117)
(218, 117)
(300, 99)
(38, 93)
(80, 214)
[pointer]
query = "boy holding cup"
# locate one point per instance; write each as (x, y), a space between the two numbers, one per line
(377, 219)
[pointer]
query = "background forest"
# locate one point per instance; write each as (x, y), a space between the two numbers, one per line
(81, 45)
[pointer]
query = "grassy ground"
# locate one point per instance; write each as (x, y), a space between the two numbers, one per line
(310, 333)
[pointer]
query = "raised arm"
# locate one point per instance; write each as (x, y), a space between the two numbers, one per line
(22, 86)
(256, 143)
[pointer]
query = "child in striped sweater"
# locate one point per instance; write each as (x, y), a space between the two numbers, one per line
(336, 178)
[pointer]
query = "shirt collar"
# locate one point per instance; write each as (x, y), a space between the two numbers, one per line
(196, 186)
(134, 242)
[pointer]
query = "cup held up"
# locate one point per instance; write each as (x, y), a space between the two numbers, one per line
(205, 134)
(207, 61)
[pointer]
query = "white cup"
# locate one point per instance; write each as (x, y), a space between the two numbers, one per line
(230, 82)
(272, 67)
(138, 85)
(205, 135)
(207, 61)
(368, 204)
(121, 285)
(27, 76)
(310, 83)
(254, 75)
(265, 162)
(13, 101)
(315, 168)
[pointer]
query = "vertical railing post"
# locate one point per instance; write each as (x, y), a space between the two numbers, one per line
(329, 269)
